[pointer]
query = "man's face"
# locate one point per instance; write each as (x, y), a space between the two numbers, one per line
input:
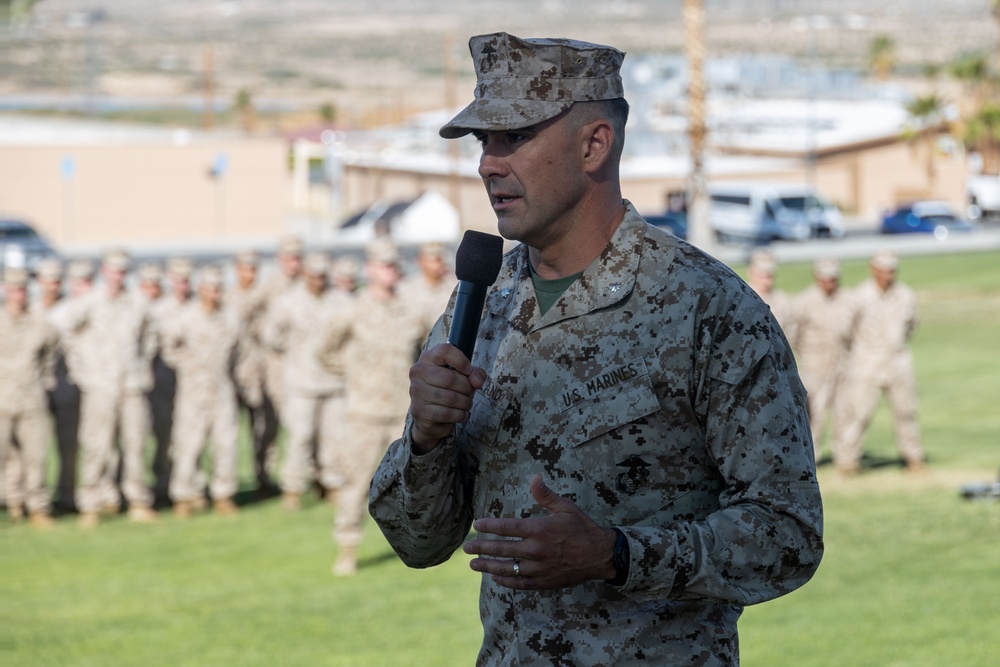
(291, 264)
(316, 282)
(884, 278)
(180, 287)
(152, 289)
(828, 285)
(16, 297)
(114, 278)
(763, 280)
(211, 296)
(433, 267)
(51, 288)
(535, 179)
(246, 274)
(383, 275)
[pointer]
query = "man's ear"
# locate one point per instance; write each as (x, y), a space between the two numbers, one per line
(597, 145)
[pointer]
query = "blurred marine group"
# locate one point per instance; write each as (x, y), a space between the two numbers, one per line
(117, 366)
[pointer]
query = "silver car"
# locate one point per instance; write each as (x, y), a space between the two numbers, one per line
(22, 246)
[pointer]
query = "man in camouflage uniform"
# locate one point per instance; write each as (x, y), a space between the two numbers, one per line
(27, 365)
(314, 395)
(374, 344)
(344, 274)
(165, 311)
(822, 339)
(202, 346)
(114, 340)
(246, 300)
(64, 400)
(288, 276)
(882, 317)
(636, 448)
(761, 269)
(430, 288)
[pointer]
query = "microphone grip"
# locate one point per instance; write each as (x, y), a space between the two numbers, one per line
(469, 300)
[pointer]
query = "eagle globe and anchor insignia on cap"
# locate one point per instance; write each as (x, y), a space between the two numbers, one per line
(635, 476)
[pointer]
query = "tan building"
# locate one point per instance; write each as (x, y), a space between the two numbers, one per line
(89, 184)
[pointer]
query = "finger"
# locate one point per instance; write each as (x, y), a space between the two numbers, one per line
(446, 354)
(503, 527)
(495, 548)
(548, 498)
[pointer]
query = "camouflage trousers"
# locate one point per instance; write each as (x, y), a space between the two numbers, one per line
(24, 446)
(315, 426)
(197, 421)
(860, 396)
(103, 416)
(368, 440)
(822, 393)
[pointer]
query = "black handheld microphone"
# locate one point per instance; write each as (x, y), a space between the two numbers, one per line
(477, 265)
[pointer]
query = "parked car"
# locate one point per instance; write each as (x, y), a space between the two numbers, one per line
(675, 223)
(983, 192)
(21, 245)
(764, 212)
(925, 217)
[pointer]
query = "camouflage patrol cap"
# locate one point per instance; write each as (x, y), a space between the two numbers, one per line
(150, 272)
(180, 267)
(345, 267)
(522, 82)
(210, 276)
(383, 251)
(826, 268)
(15, 276)
(116, 259)
(80, 269)
(432, 250)
(762, 262)
(316, 263)
(246, 258)
(290, 245)
(885, 259)
(49, 269)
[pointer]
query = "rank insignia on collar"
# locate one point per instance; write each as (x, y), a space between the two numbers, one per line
(635, 476)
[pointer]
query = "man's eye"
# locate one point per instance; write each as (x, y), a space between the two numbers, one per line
(514, 137)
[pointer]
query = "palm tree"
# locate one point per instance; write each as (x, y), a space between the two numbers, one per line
(882, 56)
(926, 121)
(982, 134)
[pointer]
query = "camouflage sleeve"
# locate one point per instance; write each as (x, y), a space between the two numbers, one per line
(49, 355)
(765, 538)
(274, 326)
(420, 502)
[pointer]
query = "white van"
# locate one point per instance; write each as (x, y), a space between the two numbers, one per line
(765, 212)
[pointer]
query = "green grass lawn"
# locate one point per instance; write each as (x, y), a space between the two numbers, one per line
(911, 575)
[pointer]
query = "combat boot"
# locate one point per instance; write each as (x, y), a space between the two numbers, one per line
(141, 514)
(16, 513)
(346, 564)
(41, 520)
(225, 507)
(89, 520)
(291, 502)
(183, 509)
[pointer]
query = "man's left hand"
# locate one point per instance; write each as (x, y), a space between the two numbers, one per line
(560, 550)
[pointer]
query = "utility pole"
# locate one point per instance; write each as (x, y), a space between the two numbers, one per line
(699, 231)
(454, 189)
(208, 87)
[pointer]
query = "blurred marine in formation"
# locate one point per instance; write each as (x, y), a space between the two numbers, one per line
(430, 288)
(761, 270)
(313, 404)
(247, 300)
(114, 336)
(27, 365)
(374, 344)
(883, 316)
(64, 396)
(822, 339)
(201, 345)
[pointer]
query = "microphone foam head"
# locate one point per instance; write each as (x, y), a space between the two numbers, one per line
(479, 258)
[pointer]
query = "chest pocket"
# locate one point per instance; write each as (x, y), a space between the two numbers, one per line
(620, 397)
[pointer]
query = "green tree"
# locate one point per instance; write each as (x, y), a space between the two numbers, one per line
(882, 56)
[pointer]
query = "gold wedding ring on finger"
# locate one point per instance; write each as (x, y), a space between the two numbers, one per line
(517, 568)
